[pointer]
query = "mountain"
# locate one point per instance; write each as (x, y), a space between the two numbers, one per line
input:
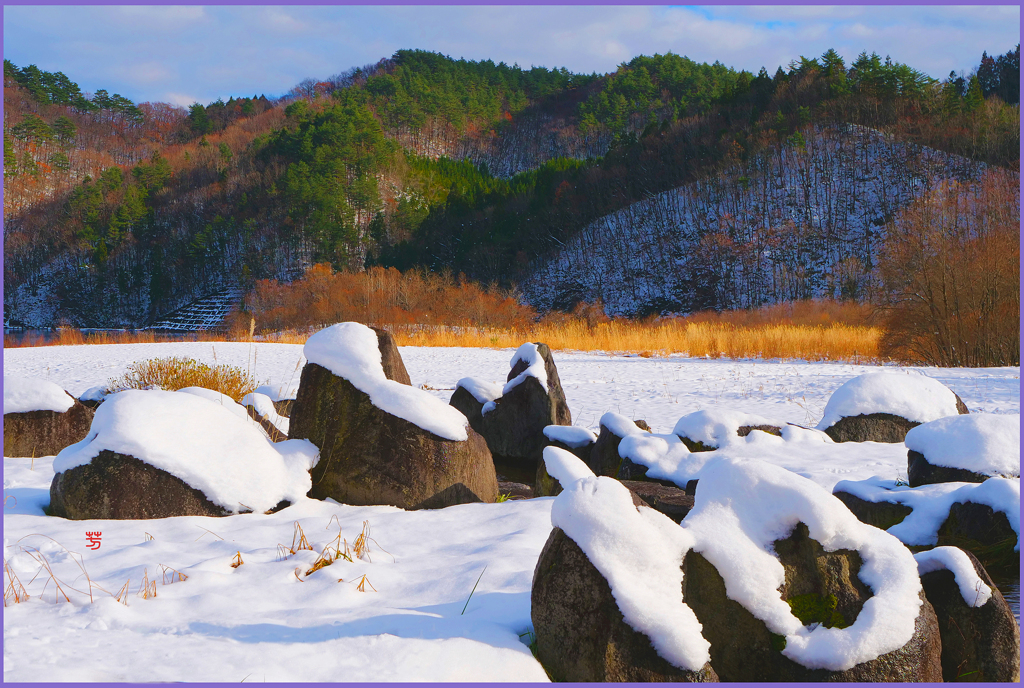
(116, 214)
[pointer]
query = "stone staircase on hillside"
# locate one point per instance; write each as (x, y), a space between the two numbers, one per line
(205, 313)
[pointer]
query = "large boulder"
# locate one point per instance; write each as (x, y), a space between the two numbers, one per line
(40, 418)
(979, 643)
(118, 486)
(821, 588)
(155, 454)
(581, 634)
(884, 406)
(382, 441)
(532, 399)
(968, 448)
(778, 577)
(469, 398)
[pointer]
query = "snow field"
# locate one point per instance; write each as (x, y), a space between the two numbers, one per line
(263, 622)
(266, 618)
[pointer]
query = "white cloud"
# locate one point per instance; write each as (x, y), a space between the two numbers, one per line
(179, 99)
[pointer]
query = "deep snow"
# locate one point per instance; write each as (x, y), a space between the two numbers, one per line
(263, 620)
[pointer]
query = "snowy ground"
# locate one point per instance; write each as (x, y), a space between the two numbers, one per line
(267, 620)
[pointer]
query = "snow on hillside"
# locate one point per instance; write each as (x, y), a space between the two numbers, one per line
(793, 222)
(408, 619)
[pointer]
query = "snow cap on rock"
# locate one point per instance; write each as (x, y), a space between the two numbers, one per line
(97, 393)
(24, 394)
(217, 398)
(985, 443)
(974, 590)
(638, 551)
(744, 505)
(529, 354)
(201, 442)
(264, 406)
(279, 392)
(570, 435)
(930, 504)
(349, 350)
(910, 395)
(718, 426)
(619, 425)
(482, 390)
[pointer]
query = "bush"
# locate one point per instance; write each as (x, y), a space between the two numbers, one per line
(950, 273)
(176, 373)
(379, 296)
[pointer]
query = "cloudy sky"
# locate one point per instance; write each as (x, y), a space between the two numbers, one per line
(183, 54)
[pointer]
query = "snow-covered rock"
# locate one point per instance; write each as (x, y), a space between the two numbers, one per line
(743, 510)
(930, 505)
(572, 436)
(264, 407)
(883, 406)
(527, 357)
(974, 591)
(975, 447)
(202, 443)
(22, 395)
(980, 636)
(40, 418)
(712, 428)
(350, 351)
(482, 390)
(637, 552)
(531, 400)
(383, 442)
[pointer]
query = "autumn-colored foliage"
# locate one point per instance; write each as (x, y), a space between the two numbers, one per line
(380, 296)
(951, 268)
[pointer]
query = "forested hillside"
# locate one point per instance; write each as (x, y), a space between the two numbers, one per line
(117, 213)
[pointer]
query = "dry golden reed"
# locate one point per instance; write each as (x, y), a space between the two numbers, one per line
(808, 342)
(66, 336)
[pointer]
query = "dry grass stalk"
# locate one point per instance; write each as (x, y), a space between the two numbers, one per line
(149, 537)
(44, 565)
(170, 575)
(299, 540)
(122, 594)
(207, 531)
(237, 560)
(363, 583)
(14, 591)
(177, 373)
(361, 547)
(148, 588)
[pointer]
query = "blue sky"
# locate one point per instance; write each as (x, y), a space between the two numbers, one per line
(183, 54)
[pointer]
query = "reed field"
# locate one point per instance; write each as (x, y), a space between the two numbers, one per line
(832, 342)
